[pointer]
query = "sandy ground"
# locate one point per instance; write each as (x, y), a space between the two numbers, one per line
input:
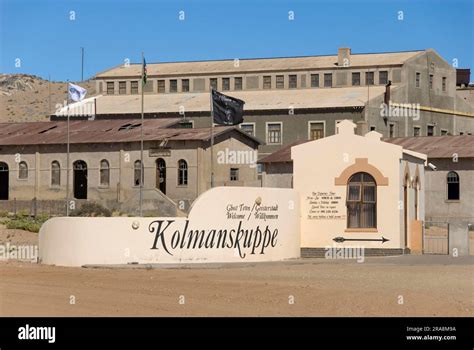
(318, 288)
(428, 285)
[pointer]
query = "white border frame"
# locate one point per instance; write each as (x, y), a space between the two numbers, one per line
(316, 121)
(266, 133)
(249, 123)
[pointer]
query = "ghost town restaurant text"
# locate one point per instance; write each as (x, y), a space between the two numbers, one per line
(253, 241)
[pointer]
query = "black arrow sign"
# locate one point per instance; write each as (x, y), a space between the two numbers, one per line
(342, 239)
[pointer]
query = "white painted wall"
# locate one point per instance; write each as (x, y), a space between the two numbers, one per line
(74, 241)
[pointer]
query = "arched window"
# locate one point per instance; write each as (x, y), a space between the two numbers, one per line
(104, 173)
(361, 201)
(182, 173)
(22, 170)
(55, 173)
(453, 186)
(137, 173)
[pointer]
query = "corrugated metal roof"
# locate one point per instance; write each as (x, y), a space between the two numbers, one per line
(258, 64)
(254, 100)
(438, 146)
(104, 131)
(282, 155)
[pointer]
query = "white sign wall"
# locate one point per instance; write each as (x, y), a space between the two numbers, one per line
(226, 224)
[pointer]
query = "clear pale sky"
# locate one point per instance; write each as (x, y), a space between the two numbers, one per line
(41, 34)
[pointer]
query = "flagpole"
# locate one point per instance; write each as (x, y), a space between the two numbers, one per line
(212, 138)
(141, 143)
(67, 150)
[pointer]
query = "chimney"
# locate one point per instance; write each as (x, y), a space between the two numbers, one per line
(344, 57)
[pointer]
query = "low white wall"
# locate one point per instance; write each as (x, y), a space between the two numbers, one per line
(260, 224)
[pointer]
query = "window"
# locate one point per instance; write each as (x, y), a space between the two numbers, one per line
(443, 84)
(361, 201)
(213, 83)
(104, 173)
(356, 79)
(134, 87)
(238, 83)
(383, 77)
(372, 128)
(182, 173)
(173, 85)
(430, 130)
(293, 83)
(267, 82)
(444, 132)
(161, 86)
(391, 130)
(122, 87)
(314, 80)
(431, 81)
(316, 130)
(280, 81)
(22, 170)
(248, 129)
(185, 85)
(110, 88)
(55, 173)
(225, 84)
(234, 174)
(274, 133)
(417, 79)
(138, 173)
(185, 124)
(369, 78)
(328, 80)
(453, 186)
(416, 131)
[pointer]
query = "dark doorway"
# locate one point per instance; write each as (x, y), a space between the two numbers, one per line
(4, 181)
(80, 179)
(161, 175)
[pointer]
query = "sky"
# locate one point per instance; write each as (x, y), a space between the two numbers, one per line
(44, 37)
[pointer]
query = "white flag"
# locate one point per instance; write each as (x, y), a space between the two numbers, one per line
(76, 93)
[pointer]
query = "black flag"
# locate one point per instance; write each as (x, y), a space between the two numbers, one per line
(227, 110)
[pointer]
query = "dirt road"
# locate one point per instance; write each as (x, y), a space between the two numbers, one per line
(377, 287)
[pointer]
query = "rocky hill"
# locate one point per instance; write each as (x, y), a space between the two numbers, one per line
(26, 97)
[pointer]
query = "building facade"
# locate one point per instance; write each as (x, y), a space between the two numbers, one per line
(299, 98)
(449, 176)
(365, 193)
(105, 162)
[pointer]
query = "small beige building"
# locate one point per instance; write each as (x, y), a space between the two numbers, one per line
(105, 164)
(359, 191)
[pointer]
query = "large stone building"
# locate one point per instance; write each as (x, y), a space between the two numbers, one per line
(298, 98)
(105, 162)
